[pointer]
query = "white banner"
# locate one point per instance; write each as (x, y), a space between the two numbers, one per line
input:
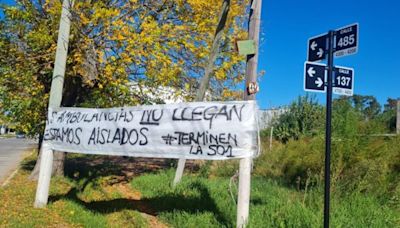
(198, 130)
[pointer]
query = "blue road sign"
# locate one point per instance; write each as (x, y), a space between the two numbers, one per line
(317, 48)
(314, 77)
(343, 81)
(346, 40)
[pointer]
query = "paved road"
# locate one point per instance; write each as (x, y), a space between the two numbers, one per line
(11, 151)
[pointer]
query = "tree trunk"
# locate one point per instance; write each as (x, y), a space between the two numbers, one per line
(40, 141)
(58, 163)
(58, 166)
(205, 80)
(35, 172)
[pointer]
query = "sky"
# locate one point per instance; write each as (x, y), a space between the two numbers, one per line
(286, 26)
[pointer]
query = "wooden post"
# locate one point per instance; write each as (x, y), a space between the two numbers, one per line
(46, 165)
(270, 138)
(243, 205)
(179, 171)
(398, 117)
(251, 76)
(57, 83)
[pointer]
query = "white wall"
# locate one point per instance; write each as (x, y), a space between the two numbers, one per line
(266, 116)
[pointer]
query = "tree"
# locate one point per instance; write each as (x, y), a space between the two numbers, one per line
(391, 104)
(388, 116)
(345, 118)
(370, 117)
(112, 44)
(304, 117)
(367, 105)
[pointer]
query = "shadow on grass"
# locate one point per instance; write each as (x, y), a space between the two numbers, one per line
(28, 165)
(85, 170)
(154, 205)
(88, 167)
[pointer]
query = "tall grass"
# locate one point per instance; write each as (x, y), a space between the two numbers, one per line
(205, 202)
(362, 164)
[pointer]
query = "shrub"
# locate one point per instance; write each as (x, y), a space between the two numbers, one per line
(305, 117)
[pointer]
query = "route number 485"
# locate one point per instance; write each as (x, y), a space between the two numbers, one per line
(345, 41)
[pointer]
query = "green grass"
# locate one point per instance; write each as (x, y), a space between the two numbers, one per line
(83, 198)
(96, 193)
(201, 202)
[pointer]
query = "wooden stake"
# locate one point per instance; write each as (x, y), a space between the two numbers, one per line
(251, 76)
(57, 83)
(398, 117)
(270, 138)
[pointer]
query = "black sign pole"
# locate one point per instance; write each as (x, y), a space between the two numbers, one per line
(331, 35)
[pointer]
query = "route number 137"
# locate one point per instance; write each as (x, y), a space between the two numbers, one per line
(343, 81)
(345, 41)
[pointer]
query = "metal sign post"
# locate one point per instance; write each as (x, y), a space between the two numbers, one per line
(340, 42)
(328, 130)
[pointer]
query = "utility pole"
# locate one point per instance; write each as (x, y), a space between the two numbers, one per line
(57, 83)
(251, 77)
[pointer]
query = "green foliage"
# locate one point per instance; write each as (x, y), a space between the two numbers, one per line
(388, 119)
(94, 195)
(365, 168)
(205, 168)
(388, 116)
(224, 168)
(345, 119)
(351, 116)
(368, 105)
(119, 54)
(200, 202)
(293, 162)
(362, 164)
(304, 117)
(361, 160)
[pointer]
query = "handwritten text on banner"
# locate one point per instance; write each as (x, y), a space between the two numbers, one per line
(198, 130)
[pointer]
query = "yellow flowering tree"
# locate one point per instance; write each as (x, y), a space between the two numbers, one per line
(120, 53)
(112, 45)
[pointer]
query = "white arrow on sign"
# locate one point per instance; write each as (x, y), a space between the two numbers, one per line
(311, 71)
(313, 45)
(320, 52)
(319, 82)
